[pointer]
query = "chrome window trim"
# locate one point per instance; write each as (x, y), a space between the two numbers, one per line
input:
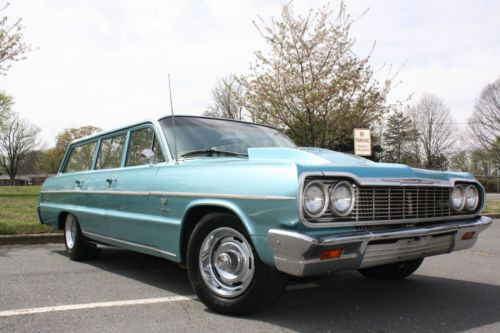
(174, 194)
(387, 182)
(150, 248)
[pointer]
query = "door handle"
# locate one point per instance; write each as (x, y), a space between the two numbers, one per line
(111, 180)
(79, 182)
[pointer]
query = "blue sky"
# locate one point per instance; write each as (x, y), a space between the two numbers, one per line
(105, 63)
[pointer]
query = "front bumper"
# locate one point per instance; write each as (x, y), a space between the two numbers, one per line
(299, 254)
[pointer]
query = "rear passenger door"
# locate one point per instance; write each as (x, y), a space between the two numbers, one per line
(128, 204)
(85, 199)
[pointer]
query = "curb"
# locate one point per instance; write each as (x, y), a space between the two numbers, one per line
(30, 239)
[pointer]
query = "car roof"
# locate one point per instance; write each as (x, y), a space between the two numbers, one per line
(153, 121)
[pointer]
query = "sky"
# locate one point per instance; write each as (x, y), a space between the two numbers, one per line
(105, 63)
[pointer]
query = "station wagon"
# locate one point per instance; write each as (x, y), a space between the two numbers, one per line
(243, 208)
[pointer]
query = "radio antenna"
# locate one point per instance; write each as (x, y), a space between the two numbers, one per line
(173, 119)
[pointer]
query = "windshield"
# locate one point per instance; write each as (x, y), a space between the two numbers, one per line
(214, 136)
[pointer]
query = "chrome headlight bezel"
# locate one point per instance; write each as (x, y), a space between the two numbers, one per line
(350, 188)
(324, 191)
(476, 203)
(460, 207)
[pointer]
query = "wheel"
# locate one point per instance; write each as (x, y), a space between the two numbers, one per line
(396, 271)
(225, 271)
(77, 246)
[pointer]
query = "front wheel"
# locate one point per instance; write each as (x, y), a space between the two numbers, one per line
(225, 271)
(77, 246)
(396, 271)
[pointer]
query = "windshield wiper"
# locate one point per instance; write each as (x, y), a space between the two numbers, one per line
(212, 152)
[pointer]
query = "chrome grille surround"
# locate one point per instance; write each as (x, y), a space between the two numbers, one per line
(381, 201)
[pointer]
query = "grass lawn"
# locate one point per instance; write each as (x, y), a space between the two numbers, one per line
(18, 210)
(492, 206)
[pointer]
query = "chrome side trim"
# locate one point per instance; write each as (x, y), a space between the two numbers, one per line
(106, 238)
(95, 192)
(223, 196)
(381, 182)
(175, 194)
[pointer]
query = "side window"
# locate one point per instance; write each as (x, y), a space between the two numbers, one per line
(80, 158)
(140, 140)
(110, 153)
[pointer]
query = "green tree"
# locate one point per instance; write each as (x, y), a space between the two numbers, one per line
(49, 161)
(460, 161)
(12, 46)
(398, 136)
(311, 84)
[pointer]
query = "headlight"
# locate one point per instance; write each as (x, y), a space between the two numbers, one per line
(342, 199)
(315, 202)
(471, 197)
(458, 198)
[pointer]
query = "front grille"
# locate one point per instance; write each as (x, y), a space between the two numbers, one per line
(399, 203)
(395, 203)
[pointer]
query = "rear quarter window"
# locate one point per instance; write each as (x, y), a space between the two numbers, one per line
(80, 158)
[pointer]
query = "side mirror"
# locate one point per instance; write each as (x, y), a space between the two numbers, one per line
(149, 155)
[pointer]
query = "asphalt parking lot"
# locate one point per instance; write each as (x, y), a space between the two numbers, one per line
(128, 292)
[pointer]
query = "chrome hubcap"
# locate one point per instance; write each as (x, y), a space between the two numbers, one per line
(226, 262)
(70, 231)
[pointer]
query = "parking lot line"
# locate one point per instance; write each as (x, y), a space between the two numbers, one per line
(168, 299)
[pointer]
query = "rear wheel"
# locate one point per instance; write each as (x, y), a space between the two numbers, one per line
(225, 271)
(396, 271)
(77, 246)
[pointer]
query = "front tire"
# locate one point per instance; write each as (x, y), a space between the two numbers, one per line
(225, 271)
(77, 247)
(396, 271)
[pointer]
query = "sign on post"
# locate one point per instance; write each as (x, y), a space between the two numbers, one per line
(362, 142)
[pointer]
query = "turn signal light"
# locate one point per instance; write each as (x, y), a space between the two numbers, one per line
(331, 254)
(468, 235)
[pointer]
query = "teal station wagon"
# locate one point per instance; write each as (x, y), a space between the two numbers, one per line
(242, 207)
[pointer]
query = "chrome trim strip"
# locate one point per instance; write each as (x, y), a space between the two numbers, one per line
(382, 182)
(175, 194)
(411, 181)
(95, 192)
(223, 196)
(150, 248)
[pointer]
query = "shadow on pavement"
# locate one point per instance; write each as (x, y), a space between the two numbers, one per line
(343, 302)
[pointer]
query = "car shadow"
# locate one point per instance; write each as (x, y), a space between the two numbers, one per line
(345, 301)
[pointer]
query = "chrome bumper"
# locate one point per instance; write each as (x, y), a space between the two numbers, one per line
(298, 254)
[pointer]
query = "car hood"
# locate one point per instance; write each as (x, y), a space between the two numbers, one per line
(324, 160)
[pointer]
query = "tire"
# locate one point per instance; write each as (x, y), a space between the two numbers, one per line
(234, 279)
(396, 271)
(77, 247)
